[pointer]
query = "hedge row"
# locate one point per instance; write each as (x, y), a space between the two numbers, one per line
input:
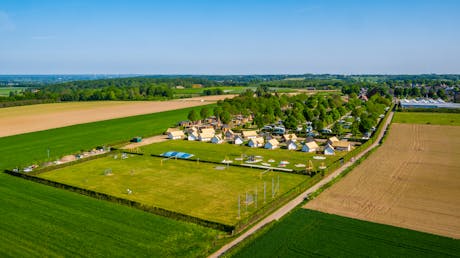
(130, 203)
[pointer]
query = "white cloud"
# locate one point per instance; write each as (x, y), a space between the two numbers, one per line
(5, 22)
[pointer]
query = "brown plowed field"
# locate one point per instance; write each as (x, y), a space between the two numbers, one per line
(17, 120)
(411, 181)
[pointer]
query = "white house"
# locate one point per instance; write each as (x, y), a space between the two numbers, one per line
(290, 136)
(238, 140)
(310, 147)
(257, 142)
(208, 131)
(329, 150)
(272, 144)
(205, 137)
(342, 146)
(193, 136)
(176, 135)
(291, 145)
(332, 140)
(217, 139)
(249, 135)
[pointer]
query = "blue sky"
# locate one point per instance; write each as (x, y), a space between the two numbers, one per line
(229, 37)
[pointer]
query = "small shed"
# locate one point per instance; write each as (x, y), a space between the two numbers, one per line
(136, 139)
(329, 150)
(272, 144)
(310, 147)
(205, 137)
(249, 135)
(342, 146)
(291, 145)
(217, 139)
(193, 136)
(238, 140)
(332, 140)
(290, 137)
(256, 143)
(176, 135)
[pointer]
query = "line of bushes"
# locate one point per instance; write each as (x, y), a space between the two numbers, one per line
(429, 110)
(130, 203)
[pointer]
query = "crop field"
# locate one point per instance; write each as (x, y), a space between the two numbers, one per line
(411, 181)
(37, 220)
(23, 149)
(308, 233)
(202, 190)
(427, 118)
(24, 119)
(219, 152)
(5, 91)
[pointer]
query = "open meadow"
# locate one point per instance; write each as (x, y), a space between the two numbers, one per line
(308, 233)
(24, 119)
(5, 91)
(202, 190)
(411, 181)
(38, 220)
(219, 152)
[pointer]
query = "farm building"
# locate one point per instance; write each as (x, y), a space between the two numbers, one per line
(217, 139)
(176, 135)
(249, 135)
(229, 134)
(238, 140)
(205, 137)
(310, 147)
(292, 137)
(169, 130)
(329, 150)
(291, 145)
(342, 145)
(193, 136)
(427, 103)
(272, 144)
(332, 140)
(257, 142)
(208, 130)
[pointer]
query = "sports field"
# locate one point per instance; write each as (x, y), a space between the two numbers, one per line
(24, 119)
(42, 221)
(219, 152)
(411, 181)
(202, 190)
(308, 233)
(427, 118)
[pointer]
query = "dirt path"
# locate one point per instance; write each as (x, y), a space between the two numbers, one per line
(24, 119)
(299, 199)
(146, 141)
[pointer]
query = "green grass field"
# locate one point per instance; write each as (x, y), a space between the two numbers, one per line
(23, 149)
(42, 221)
(427, 118)
(5, 91)
(308, 233)
(218, 152)
(196, 189)
(198, 91)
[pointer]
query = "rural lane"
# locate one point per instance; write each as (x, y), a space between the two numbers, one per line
(299, 199)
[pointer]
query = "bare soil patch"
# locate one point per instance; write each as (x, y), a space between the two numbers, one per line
(17, 120)
(411, 181)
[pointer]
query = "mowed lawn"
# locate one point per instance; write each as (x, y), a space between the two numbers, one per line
(308, 233)
(29, 148)
(42, 221)
(427, 118)
(198, 190)
(219, 152)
